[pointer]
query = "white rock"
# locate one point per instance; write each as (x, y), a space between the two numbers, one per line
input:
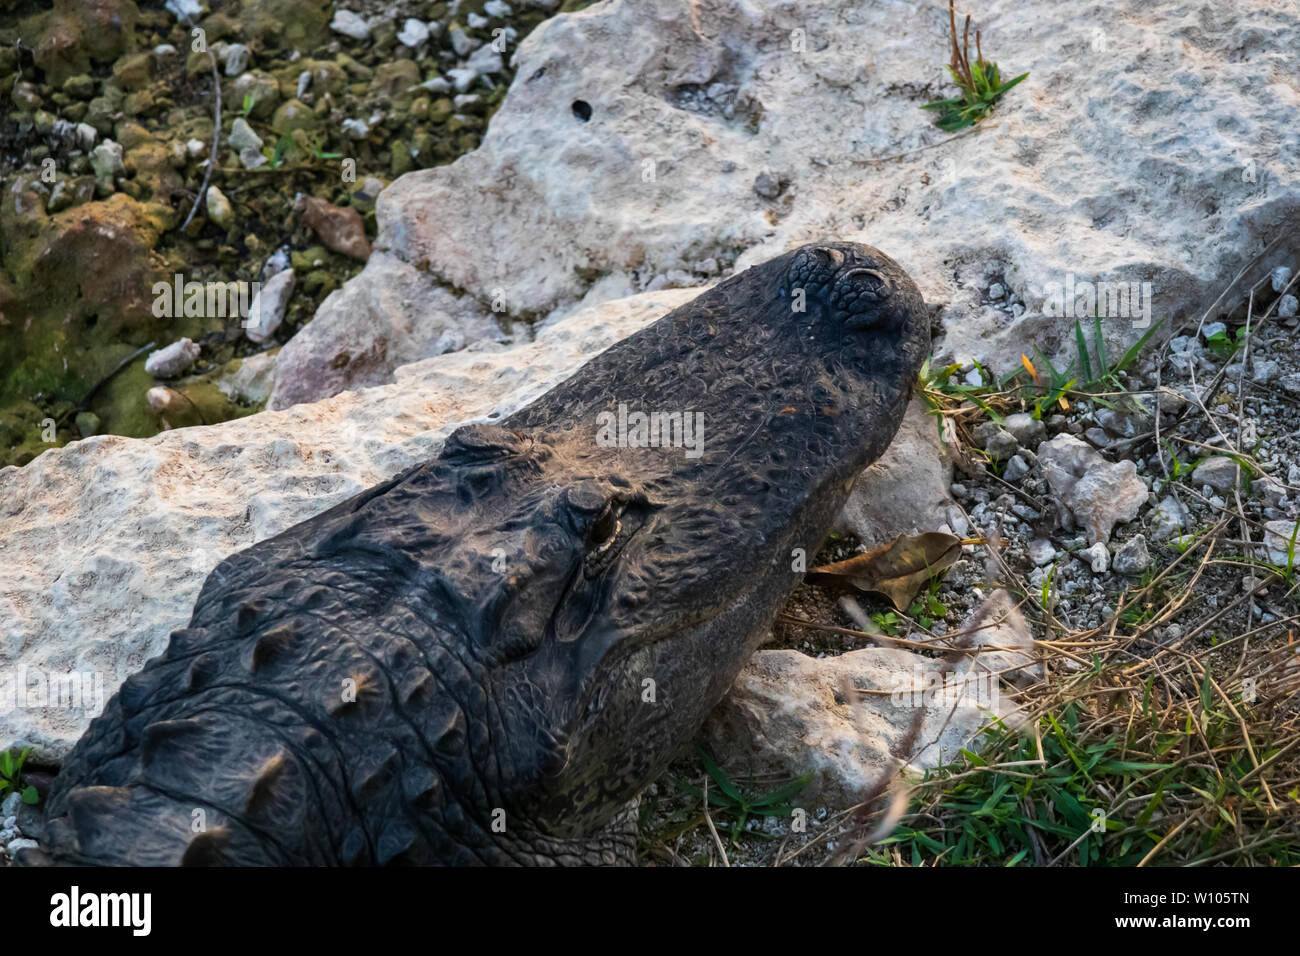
(242, 135)
(787, 713)
(497, 8)
(462, 78)
(1288, 306)
(304, 81)
(1264, 371)
(413, 34)
(168, 404)
(587, 212)
(1099, 493)
(106, 159)
(996, 441)
(1097, 556)
(186, 11)
(437, 84)
(476, 22)
(219, 209)
(1280, 277)
(1025, 428)
(1168, 519)
(164, 49)
(1133, 556)
(86, 135)
(10, 805)
(1278, 542)
(250, 157)
(365, 330)
(1064, 459)
(22, 843)
(350, 25)
(1016, 469)
(485, 61)
(356, 129)
(268, 307)
(1211, 329)
(251, 382)
(171, 361)
(235, 59)
(277, 261)
(1105, 496)
(461, 41)
(195, 148)
(1042, 551)
(907, 490)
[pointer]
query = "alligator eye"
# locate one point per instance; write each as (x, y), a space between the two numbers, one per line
(603, 530)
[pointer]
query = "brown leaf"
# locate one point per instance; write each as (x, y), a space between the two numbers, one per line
(898, 570)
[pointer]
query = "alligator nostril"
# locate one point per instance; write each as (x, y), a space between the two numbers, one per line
(582, 110)
(867, 280)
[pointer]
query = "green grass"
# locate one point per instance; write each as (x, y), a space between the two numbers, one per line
(11, 769)
(979, 82)
(1097, 798)
(732, 807)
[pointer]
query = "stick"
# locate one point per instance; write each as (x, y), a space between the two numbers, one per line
(216, 140)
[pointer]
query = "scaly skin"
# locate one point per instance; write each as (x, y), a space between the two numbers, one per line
(486, 658)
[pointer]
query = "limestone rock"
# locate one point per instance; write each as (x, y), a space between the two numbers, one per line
(219, 209)
(1133, 556)
(906, 490)
(1003, 636)
(662, 173)
(251, 381)
(1282, 543)
(267, 309)
(790, 713)
(1168, 519)
(171, 361)
(365, 330)
(1099, 493)
(350, 25)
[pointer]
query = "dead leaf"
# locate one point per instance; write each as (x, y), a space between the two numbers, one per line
(898, 570)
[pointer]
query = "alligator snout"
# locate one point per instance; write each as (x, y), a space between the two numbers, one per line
(854, 285)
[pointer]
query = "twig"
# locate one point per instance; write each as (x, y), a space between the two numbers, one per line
(722, 851)
(216, 140)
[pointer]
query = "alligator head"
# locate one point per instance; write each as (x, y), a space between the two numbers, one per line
(486, 658)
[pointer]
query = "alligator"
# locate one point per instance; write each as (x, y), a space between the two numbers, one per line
(485, 659)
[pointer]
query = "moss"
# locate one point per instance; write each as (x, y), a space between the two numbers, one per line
(286, 24)
(23, 430)
(121, 406)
